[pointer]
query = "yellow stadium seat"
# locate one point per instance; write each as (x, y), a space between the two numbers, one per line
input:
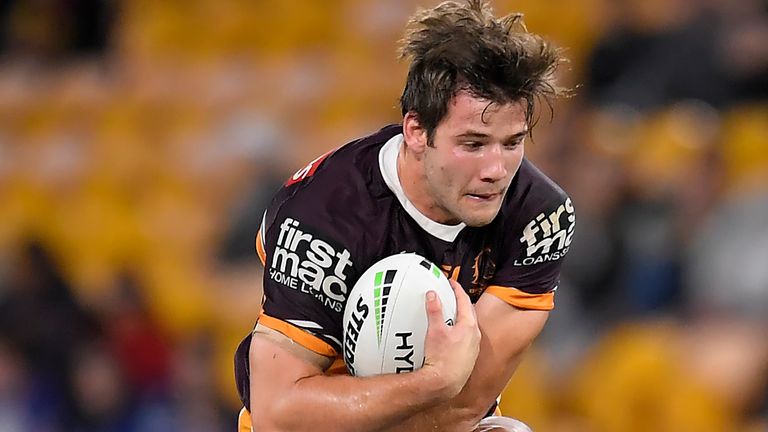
(745, 148)
(634, 380)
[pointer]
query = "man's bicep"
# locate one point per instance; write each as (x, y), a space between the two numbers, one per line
(287, 343)
(276, 364)
(507, 332)
(510, 328)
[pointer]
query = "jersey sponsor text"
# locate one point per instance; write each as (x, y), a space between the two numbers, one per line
(545, 233)
(310, 265)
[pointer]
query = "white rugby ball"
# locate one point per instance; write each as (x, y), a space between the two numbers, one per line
(385, 319)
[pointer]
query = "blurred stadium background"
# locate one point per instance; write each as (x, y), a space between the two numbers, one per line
(139, 141)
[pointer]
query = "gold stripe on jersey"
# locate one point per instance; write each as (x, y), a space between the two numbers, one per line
(523, 300)
(244, 423)
(260, 247)
(300, 336)
(451, 271)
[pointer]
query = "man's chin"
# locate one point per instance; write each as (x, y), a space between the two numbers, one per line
(479, 219)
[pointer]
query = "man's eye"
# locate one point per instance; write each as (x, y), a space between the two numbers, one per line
(513, 144)
(473, 145)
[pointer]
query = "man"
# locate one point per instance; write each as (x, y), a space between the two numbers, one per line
(451, 184)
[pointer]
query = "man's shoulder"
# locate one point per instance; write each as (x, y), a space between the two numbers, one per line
(351, 164)
(536, 232)
(536, 202)
(339, 190)
(533, 191)
(532, 176)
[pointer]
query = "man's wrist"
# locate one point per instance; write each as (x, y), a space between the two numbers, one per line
(435, 385)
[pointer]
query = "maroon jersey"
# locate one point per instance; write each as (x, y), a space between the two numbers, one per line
(346, 210)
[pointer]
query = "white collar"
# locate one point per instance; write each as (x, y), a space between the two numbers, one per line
(388, 166)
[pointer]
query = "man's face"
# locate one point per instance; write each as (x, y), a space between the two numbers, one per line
(476, 151)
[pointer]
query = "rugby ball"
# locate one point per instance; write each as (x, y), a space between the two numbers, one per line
(385, 319)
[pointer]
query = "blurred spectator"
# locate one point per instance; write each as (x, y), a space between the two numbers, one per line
(742, 48)
(709, 51)
(41, 317)
(17, 410)
(54, 29)
(589, 299)
(99, 400)
(198, 406)
(255, 140)
(136, 340)
(727, 271)
(597, 187)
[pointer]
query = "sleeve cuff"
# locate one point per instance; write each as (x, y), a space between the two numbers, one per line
(523, 300)
(301, 337)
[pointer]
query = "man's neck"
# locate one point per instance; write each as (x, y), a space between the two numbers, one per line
(410, 172)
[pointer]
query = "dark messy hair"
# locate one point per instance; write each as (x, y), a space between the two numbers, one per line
(462, 46)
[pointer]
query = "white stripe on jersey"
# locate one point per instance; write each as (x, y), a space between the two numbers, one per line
(305, 324)
(333, 339)
(261, 229)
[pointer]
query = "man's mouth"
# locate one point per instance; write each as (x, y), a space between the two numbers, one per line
(489, 196)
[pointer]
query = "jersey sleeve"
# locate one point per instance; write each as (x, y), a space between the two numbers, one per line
(532, 251)
(306, 243)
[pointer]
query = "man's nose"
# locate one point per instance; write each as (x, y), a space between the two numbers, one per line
(494, 166)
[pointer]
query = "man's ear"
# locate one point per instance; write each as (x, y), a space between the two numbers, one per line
(415, 135)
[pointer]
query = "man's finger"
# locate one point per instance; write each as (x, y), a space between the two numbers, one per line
(434, 308)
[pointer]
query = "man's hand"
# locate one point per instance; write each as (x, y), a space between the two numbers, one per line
(451, 351)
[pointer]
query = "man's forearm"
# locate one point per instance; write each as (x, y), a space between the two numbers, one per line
(460, 414)
(375, 403)
(292, 393)
(446, 417)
